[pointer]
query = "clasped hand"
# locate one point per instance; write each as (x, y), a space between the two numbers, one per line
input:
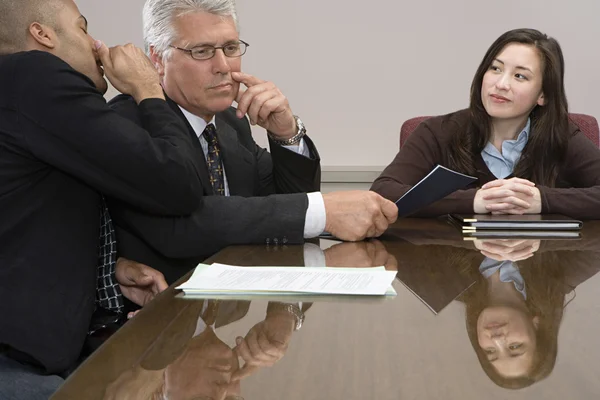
(508, 196)
(508, 249)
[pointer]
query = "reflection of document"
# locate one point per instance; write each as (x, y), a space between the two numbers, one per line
(437, 298)
(227, 279)
(438, 184)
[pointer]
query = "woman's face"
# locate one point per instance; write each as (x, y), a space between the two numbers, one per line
(508, 337)
(512, 85)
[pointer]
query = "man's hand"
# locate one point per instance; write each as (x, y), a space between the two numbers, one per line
(353, 216)
(508, 249)
(130, 71)
(265, 105)
(508, 196)
(369, 253)
(139, 283)
(265, 344)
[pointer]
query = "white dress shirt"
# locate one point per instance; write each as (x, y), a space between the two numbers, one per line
(200, 324)
(315, 217)
(314, 256)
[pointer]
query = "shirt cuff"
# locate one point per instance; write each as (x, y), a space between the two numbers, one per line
(300, 148)
(314, 223)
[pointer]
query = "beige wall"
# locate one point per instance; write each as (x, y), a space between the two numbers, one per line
(354, 71)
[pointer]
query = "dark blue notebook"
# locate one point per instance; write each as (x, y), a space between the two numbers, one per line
(438, 184)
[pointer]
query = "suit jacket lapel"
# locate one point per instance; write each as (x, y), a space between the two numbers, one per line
(204, 176)
(234, 160)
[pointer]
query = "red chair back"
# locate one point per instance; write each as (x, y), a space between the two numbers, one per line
(587, 124)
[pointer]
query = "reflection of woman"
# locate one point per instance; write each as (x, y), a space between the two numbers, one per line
(513, 315)
(516, 125)
(515, 309)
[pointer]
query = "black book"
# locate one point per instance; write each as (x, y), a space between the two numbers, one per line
(527, 226)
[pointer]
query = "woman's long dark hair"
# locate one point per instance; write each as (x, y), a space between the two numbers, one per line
(546, 148)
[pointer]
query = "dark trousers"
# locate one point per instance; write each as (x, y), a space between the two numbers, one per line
(19, 381)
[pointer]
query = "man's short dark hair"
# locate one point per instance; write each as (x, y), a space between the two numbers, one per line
(17, 15)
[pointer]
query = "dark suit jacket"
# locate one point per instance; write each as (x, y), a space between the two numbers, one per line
(60, 146)
(250, 215)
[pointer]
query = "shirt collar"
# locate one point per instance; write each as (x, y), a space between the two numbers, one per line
(197, 123)
(509, 272)
(524, 135)
(517, 144)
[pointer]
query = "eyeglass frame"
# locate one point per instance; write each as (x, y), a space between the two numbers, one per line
(190, 51)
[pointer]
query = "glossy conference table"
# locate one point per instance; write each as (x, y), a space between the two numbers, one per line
(414, 346)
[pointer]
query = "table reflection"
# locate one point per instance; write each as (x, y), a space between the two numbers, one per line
(369, 253)
(190, 361)
(500, 305)
(515, 309)
(520, 292)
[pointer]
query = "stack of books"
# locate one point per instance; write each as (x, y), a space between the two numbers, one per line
(538, 226)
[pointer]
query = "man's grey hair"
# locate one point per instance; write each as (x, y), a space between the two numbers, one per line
(17, 15)
(160, 16)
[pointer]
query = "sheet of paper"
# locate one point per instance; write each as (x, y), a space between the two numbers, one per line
(226, 279)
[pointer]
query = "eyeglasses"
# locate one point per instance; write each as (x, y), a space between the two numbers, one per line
(232, 49)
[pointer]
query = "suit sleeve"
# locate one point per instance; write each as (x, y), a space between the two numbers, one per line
(218, 223)
(420, 155)
(281, 170)
(291, 172)
(67, 124)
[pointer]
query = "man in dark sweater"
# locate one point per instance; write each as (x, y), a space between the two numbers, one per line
(61, 149)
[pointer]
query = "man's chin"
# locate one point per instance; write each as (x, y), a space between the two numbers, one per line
(222, 105)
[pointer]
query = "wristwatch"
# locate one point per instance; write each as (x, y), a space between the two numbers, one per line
(290, 309)
(294, 139)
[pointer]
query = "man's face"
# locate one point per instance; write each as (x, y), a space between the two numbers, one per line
(75, 46)
(203, 87)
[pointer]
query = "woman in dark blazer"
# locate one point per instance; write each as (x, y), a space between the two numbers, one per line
(515, 137)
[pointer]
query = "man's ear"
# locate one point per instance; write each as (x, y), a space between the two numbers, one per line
(43, 35)
(157, 61)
